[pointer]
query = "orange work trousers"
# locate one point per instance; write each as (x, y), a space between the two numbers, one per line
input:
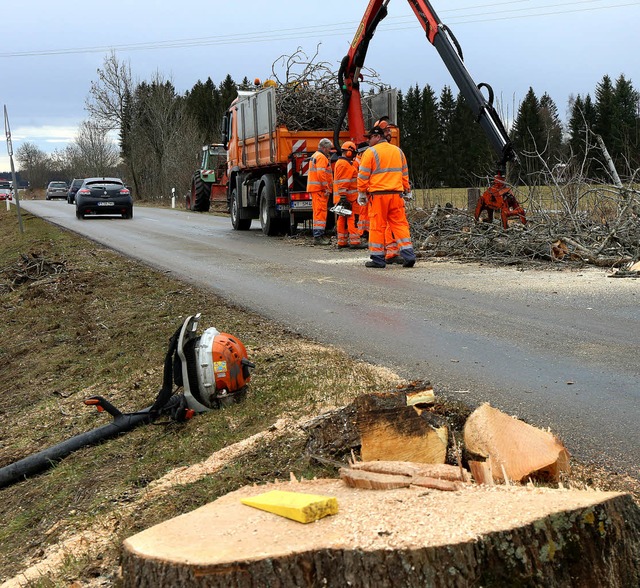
(319, 203)
(386, 213)
(346, 229)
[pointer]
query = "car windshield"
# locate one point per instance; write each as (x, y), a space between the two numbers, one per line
(76, 183)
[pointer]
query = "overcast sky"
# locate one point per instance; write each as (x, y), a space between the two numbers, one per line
(51, 50)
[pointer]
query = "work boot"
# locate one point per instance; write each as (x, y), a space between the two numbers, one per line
(408, 263)
(321, 240)
(358, 246)
(374, 264)
(395, 259)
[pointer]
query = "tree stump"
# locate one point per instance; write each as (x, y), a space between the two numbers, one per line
(478, 536)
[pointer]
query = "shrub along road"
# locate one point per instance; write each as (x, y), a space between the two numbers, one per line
(557, 348)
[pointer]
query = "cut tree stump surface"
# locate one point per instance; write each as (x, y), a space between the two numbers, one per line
(228, 543)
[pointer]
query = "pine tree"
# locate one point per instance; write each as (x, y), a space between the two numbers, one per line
(448, 172)
(430, 143)
(605, 112)
(552, 128)
(474, 158)
(410, 131)
(203, 103)
(528, 137)
(228, 91)
(625, 134)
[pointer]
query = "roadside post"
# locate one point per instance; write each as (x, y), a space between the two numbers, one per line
(7, 131)
(173, 197)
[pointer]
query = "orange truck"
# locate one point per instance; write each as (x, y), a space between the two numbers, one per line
(267, 163)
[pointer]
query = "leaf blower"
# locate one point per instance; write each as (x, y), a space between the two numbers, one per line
(213, 370)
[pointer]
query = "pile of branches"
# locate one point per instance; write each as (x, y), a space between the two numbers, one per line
(307, 93)
(557, 238)
(29, 268)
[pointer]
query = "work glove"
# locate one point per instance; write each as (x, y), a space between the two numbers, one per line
(408, 196)
(362, 198)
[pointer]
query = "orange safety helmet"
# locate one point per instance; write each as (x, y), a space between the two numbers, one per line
(349, 149)
(384, 124)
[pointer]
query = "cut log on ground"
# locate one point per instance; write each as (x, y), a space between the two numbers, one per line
(409, 537)
(335, 434)
(384, 475)
(392, 431)
(513, 449)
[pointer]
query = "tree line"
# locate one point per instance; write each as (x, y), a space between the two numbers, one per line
(160, 131)
(445, 147)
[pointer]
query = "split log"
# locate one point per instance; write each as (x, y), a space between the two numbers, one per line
(385, 475)
(392, 431)
(405, 468)
(373, 480)
(525, 536)
(512, 448)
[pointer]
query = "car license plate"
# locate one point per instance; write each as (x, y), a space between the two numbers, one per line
(106, 203)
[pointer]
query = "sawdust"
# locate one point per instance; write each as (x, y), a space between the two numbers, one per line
(91, 541)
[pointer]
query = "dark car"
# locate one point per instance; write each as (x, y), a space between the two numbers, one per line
(73, 188)
(104, 196)
(57, 190)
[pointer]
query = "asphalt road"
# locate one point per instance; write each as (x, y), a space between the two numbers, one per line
(558, 349)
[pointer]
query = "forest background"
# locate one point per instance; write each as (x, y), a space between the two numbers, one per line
(159, 133)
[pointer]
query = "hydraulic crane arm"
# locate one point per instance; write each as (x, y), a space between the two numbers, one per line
(449, 50)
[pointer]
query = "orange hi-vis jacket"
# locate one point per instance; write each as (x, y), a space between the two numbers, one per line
(383, 169)
(319, 178)
(344, 180)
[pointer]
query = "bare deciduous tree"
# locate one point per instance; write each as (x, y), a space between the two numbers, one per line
(108, 96)
(94, 150)
(34, 164)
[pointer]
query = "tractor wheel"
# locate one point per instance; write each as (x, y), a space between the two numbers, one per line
(200, 199)
(239, 224)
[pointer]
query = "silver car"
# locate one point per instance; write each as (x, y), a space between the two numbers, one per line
(57, 190)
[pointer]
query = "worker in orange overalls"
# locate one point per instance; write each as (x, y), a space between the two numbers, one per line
(363, 214)
(345, 195)
(390, 244)
(320, 185)
(383, 180)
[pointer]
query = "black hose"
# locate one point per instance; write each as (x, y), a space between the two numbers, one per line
(46, 458)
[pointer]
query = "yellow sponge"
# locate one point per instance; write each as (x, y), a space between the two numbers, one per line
(304, 508)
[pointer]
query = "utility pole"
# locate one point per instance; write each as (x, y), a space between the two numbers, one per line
(7, 131)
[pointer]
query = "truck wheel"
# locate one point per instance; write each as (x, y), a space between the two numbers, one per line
(200, 198)
(239, 224)
(270, 226)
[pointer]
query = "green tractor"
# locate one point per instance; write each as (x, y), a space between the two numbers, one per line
(209, 183)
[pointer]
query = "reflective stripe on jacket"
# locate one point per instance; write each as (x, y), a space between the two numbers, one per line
(383, 168)
(344, 179)
(319, 178)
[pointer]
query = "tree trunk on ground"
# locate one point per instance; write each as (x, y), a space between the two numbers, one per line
(479, 536)
(391, 430)
(512, 448)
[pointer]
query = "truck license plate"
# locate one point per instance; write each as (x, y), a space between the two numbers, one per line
(301, 204)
